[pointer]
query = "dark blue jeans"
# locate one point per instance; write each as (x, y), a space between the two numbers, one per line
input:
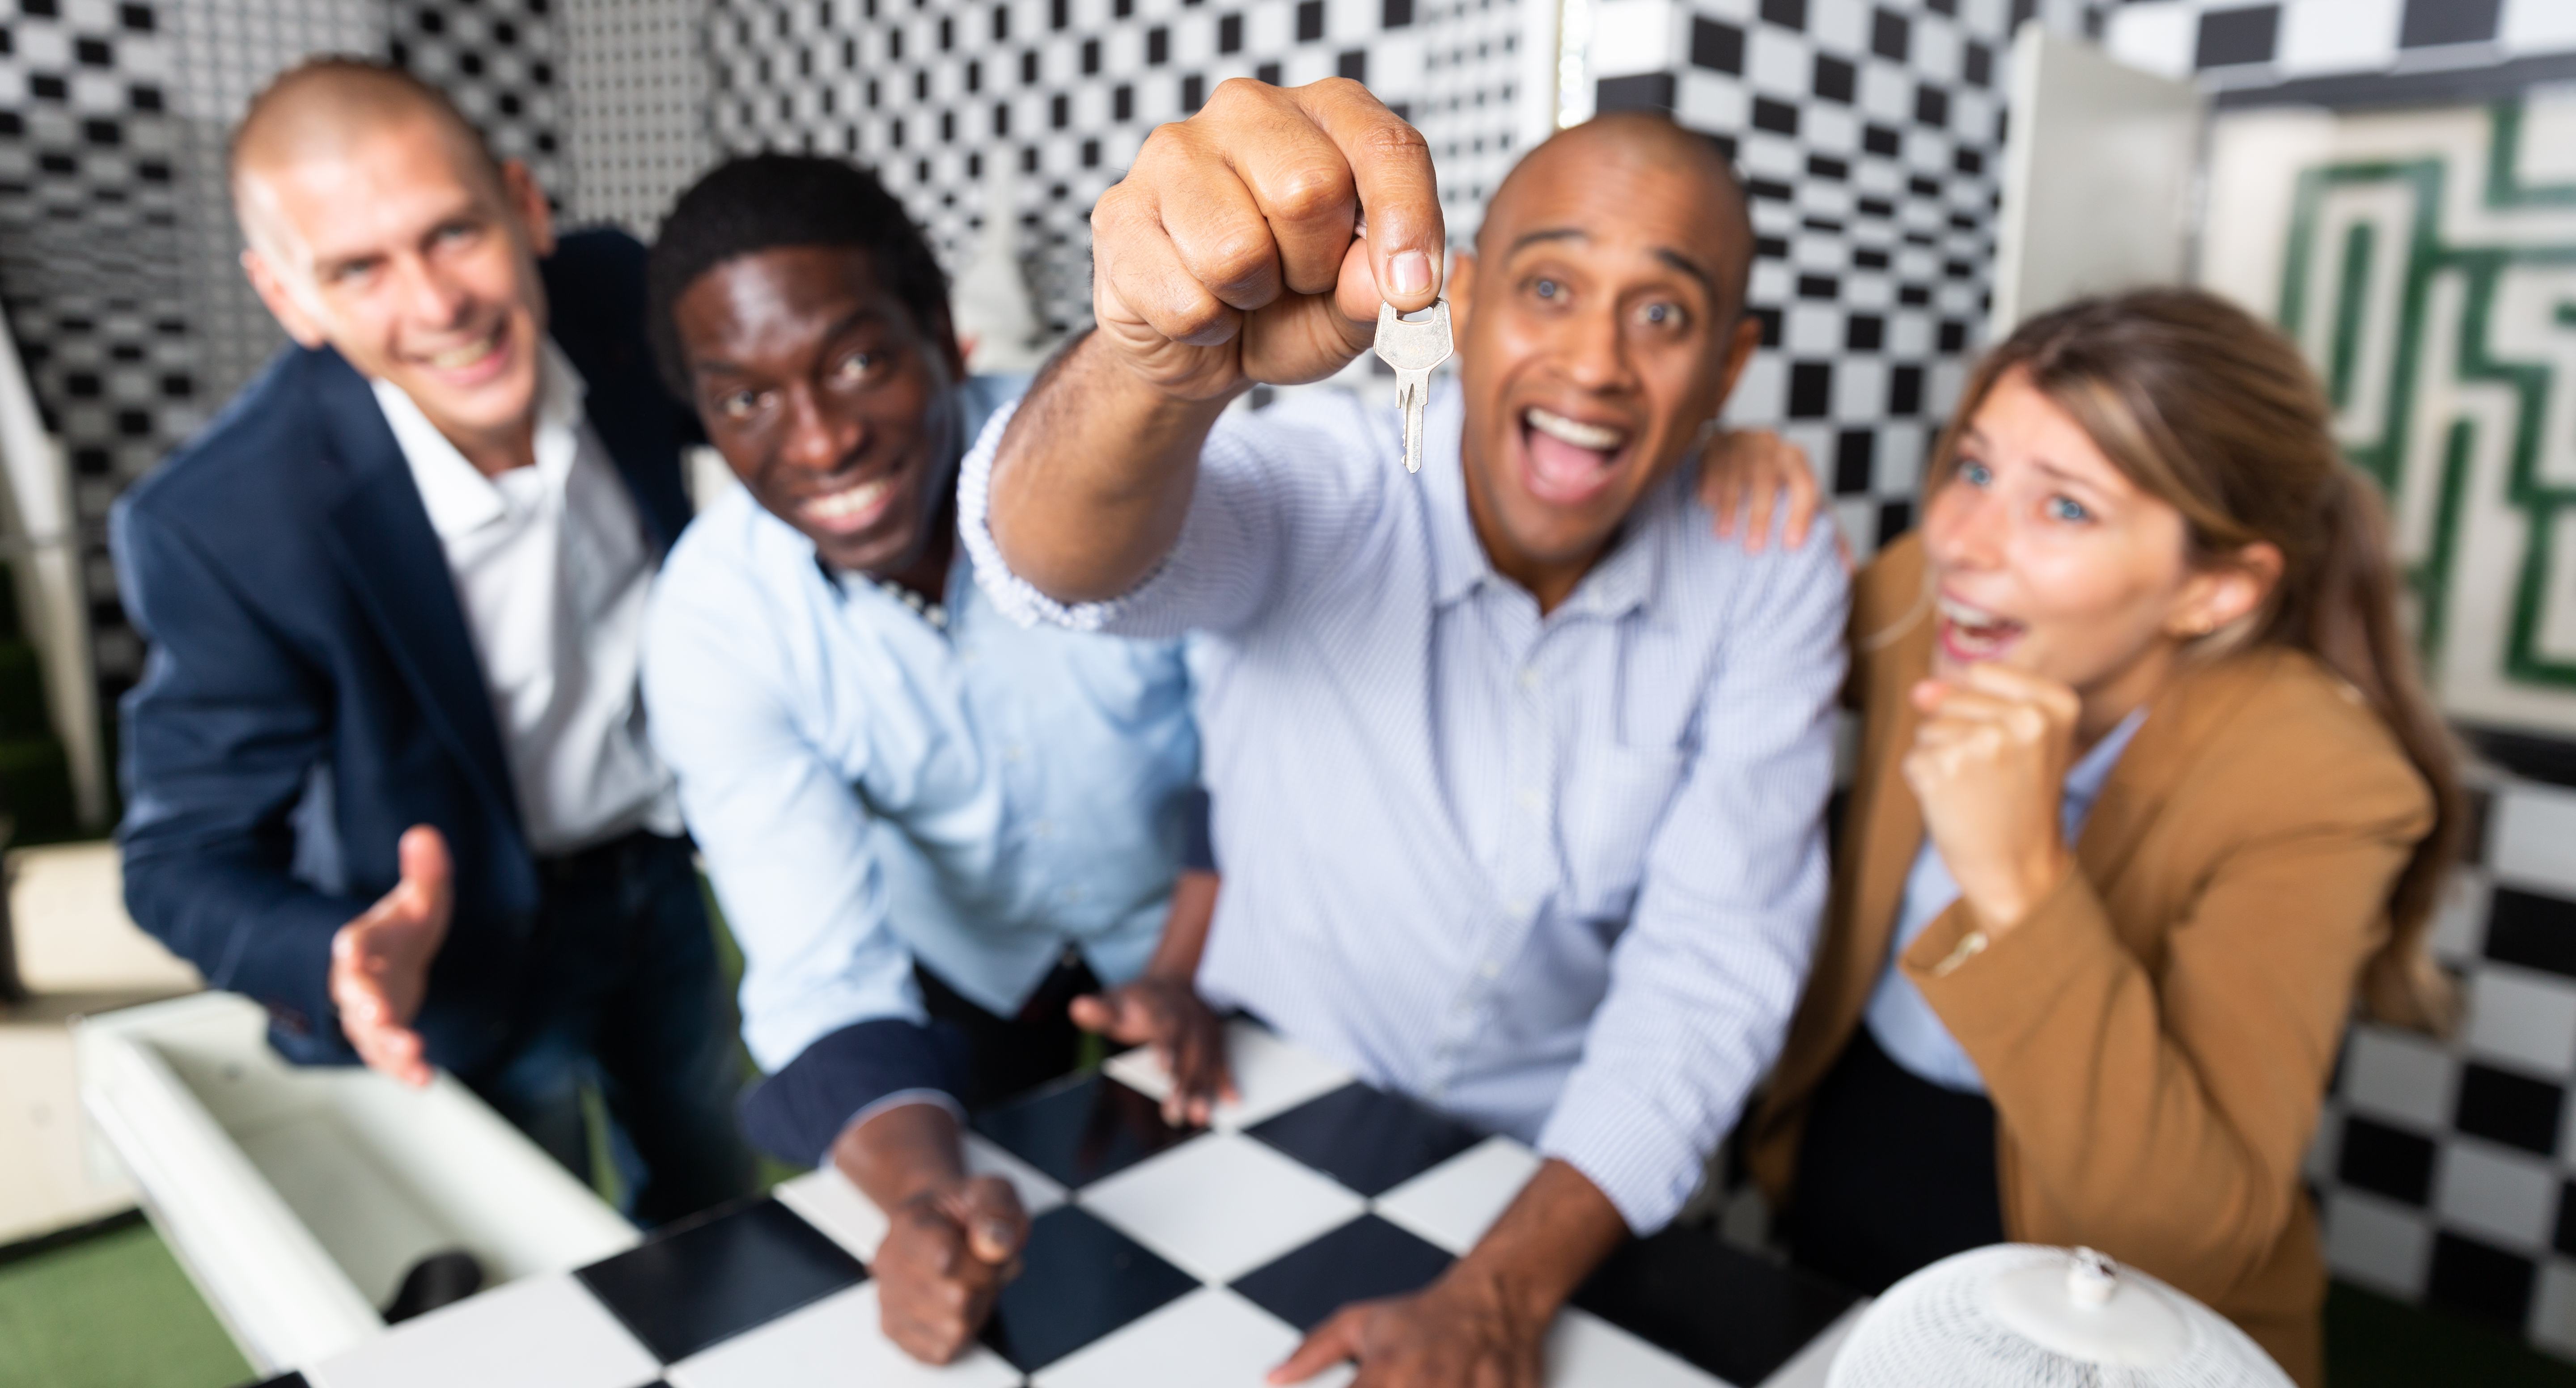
(623, 991)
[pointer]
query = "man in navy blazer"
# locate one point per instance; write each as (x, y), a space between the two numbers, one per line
(386, 771)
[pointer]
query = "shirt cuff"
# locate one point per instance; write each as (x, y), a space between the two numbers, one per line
(1645, 1165)
(1016, 597)
(796, 1114)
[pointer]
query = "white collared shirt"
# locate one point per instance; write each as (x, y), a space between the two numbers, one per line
(552, 568)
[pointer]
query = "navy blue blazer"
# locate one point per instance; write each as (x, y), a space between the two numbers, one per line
(312, 690)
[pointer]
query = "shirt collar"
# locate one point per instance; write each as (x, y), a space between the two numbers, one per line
(2084, 781)
(458, 497)
(1622, 580)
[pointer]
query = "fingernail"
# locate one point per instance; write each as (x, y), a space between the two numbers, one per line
(1410, 273)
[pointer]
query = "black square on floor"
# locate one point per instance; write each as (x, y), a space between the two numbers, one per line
(1661, 1289)
(2513, 1109)
(1082, 1129)
(1367, 1139)
(1079, 1280)
(718, 1275)
(2477, 1280)
(2386, 1161)
(1361, 1261)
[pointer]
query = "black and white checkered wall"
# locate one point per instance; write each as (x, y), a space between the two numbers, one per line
(2236, 43)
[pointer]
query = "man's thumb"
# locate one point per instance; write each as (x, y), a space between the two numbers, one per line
(426, 869)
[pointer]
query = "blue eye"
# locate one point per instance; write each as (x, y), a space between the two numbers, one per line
(1545, 289)
(2068, 509)
(1974, 473)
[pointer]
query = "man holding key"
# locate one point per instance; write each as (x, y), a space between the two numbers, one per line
(1517, 767)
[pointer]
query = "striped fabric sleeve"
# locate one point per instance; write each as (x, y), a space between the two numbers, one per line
(1217, 576)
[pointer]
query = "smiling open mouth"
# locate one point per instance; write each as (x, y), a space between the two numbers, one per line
(466, 355)
(1569, 459)
(852, 508)
(1971, 634)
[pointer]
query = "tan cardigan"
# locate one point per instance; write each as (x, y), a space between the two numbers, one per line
(2158, 1034)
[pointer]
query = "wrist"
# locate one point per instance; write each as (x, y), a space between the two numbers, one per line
(1522, 1296)
(2011, 895)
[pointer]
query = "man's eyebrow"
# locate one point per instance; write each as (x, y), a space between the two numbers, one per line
(1689, 267)
(718, 366)
(1531, 238)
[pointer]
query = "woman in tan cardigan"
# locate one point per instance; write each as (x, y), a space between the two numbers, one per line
(2147, 792)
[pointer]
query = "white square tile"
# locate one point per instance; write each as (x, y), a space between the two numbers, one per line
(1211, 1338)
(545, 1330)
(1271, 1076)
(2529, 845)
(1222, 1205)
(834, 1342)
(2523, 1016)
(2553, 1308)
(2399, 1075)
(1584, 1350)
(2503, 1195)
(827, 1200)
(2377, 1243)
(1453, 1204)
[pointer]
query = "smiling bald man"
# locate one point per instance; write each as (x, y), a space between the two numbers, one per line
(386, 772)
(1517, 766)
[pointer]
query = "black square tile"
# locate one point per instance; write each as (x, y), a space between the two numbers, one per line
(2479, 1280)
(1367, 1139)
(2229, 37)
(1855, 450)
(1360, 1261)
(1079, 1280)
(2535, 931)
(2386, 1161)
(2430, 22)
(1662, 1289)
(716, 1276)
(1082, 1129)
(2513, 1109)
(1644, 91)
(1717, 47)
(2563, 1238)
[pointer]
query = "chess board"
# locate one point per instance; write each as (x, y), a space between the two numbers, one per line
(1156, 1256)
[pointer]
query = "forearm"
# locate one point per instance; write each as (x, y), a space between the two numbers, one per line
(1555, 1232)
(897, 1153)
(1093, 476)
(1185, 930)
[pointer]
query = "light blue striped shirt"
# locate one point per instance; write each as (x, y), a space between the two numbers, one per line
(1900, 1019)
(1559, 875)
(867, 788)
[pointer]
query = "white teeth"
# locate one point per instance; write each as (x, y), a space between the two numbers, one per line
(466, 355)
(848, 503)
(1974, 618)
(1581, 435)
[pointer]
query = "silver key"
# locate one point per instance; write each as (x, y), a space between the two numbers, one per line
(1413, 349)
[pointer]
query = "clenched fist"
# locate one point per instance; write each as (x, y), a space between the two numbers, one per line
(1989, 766)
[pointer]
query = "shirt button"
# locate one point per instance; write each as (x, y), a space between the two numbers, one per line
(1529, 677)
(1013, 753)
(1518, 906)
(1071, 894)
(1041, 829)
(1532, 800)
(1490, 969)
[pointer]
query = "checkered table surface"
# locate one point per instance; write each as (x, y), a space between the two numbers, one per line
(1156, 1256)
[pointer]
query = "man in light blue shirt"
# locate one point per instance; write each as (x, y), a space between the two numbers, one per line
(930, 828)
(1518, 770)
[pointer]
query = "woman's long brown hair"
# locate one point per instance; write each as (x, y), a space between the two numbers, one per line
(2214, 413)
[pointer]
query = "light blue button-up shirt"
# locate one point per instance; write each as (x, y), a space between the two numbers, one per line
(867, 788)
(1900, 1019)
(1557, 874)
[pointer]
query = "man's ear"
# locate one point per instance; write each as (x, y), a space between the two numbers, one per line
(274, 291)
(1460, 291)
(519, 188)
(1746, 339)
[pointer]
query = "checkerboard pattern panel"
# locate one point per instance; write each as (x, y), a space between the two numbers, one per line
(1156, 1256)
(1870, 137)
(91, 255)
(2236, 43)
(1029, 109)
(634, 102)
(2447, 1168)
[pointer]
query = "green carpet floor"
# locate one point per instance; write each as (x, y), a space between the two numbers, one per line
(111, 1310)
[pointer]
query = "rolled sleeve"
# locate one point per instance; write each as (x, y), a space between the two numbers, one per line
(1257, 521)
(848, 1076)
(1704, 979)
